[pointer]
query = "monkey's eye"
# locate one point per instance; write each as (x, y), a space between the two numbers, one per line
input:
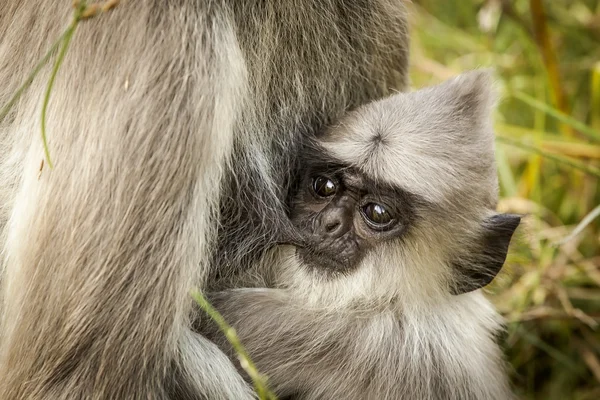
(376, 215)
(323, 186)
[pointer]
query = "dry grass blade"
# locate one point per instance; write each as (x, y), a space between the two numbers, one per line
(572, 163)
(542, 36)
(582, 225)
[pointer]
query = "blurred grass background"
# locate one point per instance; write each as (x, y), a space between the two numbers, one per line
(546, 54)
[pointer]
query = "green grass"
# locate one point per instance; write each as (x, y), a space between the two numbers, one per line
(547, 58)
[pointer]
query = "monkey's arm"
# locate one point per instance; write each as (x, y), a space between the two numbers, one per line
(299, 349)
(313, 354)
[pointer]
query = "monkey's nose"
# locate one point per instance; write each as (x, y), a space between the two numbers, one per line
(332, 224)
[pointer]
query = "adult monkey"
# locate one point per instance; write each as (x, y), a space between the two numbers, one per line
(165, 116)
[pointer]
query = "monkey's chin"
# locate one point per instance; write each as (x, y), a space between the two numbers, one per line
(320, 262)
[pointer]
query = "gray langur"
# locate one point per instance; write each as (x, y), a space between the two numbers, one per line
(378, 298)
(174, 126)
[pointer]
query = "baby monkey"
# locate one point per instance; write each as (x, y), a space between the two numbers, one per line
(377, 297)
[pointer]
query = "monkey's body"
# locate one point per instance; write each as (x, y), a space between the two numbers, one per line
(378, 296)
(165, 117)
(444, 350)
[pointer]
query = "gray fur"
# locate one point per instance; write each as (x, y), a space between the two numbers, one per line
(168, 120)
(392, 328)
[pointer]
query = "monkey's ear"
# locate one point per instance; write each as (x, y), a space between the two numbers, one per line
(482, 265)
(471, 96)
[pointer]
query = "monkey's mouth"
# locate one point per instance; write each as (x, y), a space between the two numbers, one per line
(323, 261)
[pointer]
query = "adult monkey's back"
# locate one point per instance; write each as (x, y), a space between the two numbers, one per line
(162, 111)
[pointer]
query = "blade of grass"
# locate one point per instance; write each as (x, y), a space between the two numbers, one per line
(592, 215)
(553, 143)
(588, 169)
(517, 131)
(439, 33)
(38, 67)
(59, 60)
(82, 11)
(572, 149)
(562, 117)
(542, 38)
(551, 351)
(531, 174)
(258, 380)
(595, 98)
(507, 179)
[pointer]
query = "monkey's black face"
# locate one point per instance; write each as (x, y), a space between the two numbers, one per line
(340, 215)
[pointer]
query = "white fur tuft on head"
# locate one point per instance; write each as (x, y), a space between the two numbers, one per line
(435, 142)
